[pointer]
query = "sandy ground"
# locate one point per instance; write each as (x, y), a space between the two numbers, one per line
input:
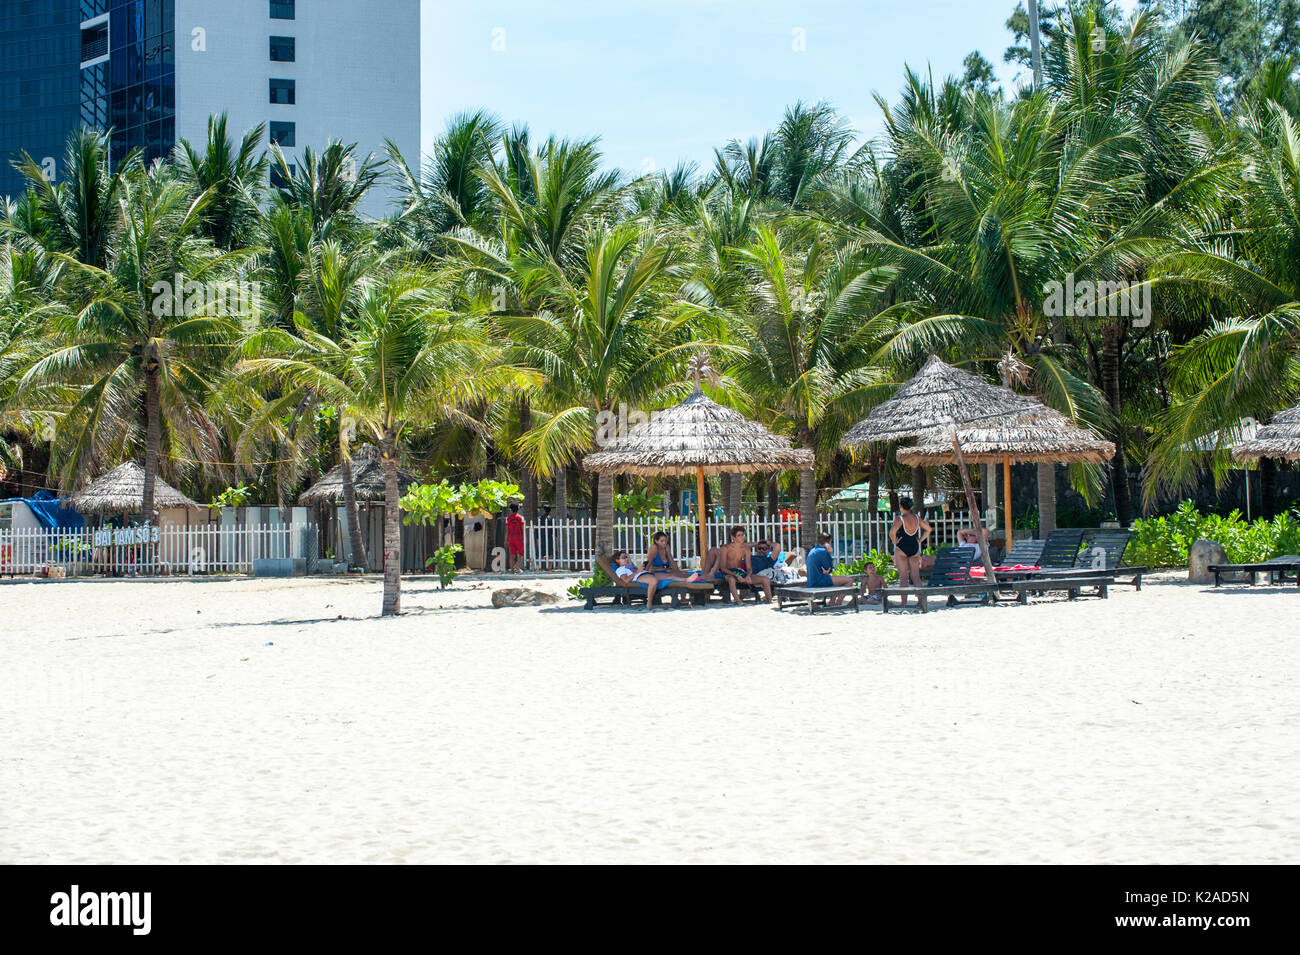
(281, 721)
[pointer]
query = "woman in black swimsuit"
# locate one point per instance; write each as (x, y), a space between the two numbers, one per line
(908, 539)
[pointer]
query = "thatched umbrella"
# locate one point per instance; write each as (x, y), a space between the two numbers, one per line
(367, 478)
(698, 436)
(121, 491)
(1280, 438)
(1045, 437)
(939, 400)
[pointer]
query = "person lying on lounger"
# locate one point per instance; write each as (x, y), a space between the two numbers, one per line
(771, 562)
(820, 565)
(732, 564)
(627, 572)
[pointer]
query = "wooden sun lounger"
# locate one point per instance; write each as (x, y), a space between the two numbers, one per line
(1072, 586)
(949, 578)
(814, 595)
(624, 594)
(1277, 569)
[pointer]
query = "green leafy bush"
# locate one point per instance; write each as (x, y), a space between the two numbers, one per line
(443, 563)
(598, 578)
(638, 503)
(883, 561)
(1166, 541)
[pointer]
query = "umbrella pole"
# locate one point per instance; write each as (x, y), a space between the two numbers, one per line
(1006, 495)
(991, 577)
(704, 534)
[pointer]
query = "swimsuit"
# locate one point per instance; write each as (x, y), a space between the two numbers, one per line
(909, 544)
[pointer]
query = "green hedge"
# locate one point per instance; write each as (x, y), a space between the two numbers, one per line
(1165, 541)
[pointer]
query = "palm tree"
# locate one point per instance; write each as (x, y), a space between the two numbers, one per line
(232, 176)
(1247, 366)
(329, 185)
(142, 355)
(605, 341)
(800, 325)
(78, 216)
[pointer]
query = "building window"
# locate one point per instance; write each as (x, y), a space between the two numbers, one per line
(282, 10)
(278, 181)
(282, 134)
(283, 91)
(282, 49)
(94, 41)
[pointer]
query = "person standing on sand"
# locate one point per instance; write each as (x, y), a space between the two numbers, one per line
(515, 538)
(908, 537)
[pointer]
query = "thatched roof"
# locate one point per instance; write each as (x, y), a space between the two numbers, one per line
(698, 433)
(367, 479)
(121, 491)
(938, 398)
(1046, 437)
(1280, 438)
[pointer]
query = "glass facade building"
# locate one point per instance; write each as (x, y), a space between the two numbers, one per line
(133, 91)
(104, 64)
(40, 51)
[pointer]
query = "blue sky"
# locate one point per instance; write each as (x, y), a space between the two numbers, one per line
(667, 80)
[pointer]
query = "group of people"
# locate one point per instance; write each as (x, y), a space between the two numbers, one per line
(764, 563)
(736, 562)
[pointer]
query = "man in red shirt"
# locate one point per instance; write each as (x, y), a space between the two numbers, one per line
(515, 538)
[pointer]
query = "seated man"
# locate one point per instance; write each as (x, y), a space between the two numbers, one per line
(773, 564)
(820, 565)
(733, 564)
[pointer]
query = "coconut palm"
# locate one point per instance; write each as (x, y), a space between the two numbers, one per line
(329, 185)
(142, 353)
(605, 340)
(1245, 366)
(78, 215)
(232, 176)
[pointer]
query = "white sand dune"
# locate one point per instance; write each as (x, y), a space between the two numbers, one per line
(151, 722)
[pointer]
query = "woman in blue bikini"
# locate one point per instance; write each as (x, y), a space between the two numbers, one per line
(659, 559)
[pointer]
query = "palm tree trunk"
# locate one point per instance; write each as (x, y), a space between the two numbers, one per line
(724, 483)
(773, 497)
(561, 494)
(350, 511)
(873, 500)
(392, 529)
(605, 515)
(807, 509)
(1046, 498)
(153, 441)
(734, 494)
(918, 488)
(1110, 344)
(282, 491)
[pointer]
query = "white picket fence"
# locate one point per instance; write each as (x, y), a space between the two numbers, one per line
(152, 551)
(571, 544)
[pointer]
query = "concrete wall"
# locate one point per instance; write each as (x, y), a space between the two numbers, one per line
(357, 69)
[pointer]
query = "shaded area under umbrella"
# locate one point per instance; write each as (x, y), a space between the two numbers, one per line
(700, 437)
(933, 405)
(1043, 437)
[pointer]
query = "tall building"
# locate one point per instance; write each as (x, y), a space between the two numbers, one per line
(40, 49)
(154, 71)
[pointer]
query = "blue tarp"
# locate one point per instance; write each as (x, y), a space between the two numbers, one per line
(49, 511)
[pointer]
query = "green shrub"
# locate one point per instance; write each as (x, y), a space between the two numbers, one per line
(1166, 541)
(598, 578)
(443, 563)
(883, 561)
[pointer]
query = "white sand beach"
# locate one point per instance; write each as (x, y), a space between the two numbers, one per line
(283, 721)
